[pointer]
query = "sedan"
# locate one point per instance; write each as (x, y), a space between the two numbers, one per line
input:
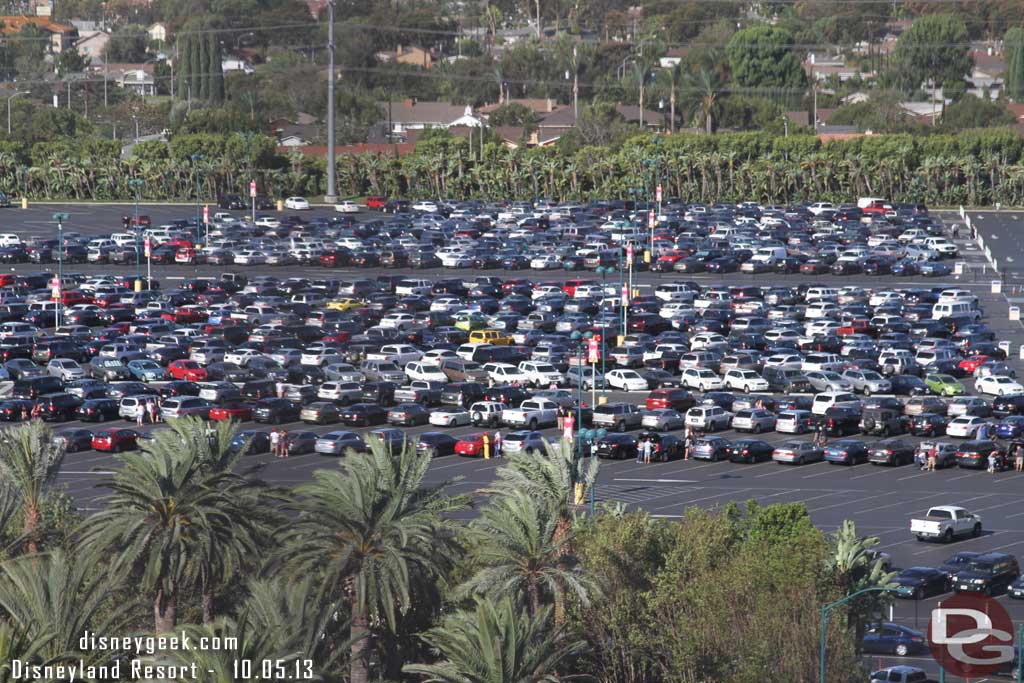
(364, 414)
(921, 582)
(893, 639)
(275, 410)
(98, 410)
(74, 440)
(626, 380)
(232, 410)
(998, 385)
(296, 204)
(523, 442)
(846, 452)
(449, 417)
(750, 451)
(436, 444)
(663, 419)
(336, 443)
(927, 424)
(470, 445)
(299, 442)
(964, 427)
(252, 440)
(798, 453)
(408, 415)
(115, 440)
(320, 412)
(146, 370)
(891, 452)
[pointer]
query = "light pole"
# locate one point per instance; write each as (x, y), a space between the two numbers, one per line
(136, 184)
(582, 435)
(824, 619)
(58, 291)
(196, 158)
(332, 194)
(248, 137)
(20, 92)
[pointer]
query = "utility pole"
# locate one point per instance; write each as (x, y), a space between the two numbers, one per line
(332, 194)
(575, 85)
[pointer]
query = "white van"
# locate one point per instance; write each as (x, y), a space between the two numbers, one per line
(9, 239)
(827, 399)
(769, 255)
(927, 357)
(821, 293)
(673, 292)
(950, 309)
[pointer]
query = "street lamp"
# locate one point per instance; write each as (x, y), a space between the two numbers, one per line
(248, 137)
(58, 291)
(196, 158)
(136, 184)
(20, 92)
(583, 436)
(332, 194)
(832, 605)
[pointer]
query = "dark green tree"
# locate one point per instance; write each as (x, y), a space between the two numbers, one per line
(127, 45)
(214, 69)
(935, 49)
(972, 112)
(761, 57)
(1014, 49)
(203, 59)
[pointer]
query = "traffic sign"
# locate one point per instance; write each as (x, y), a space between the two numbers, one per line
(657, 193)
(592, 353)
(206, 214)
(651, 219)
(629, 254)
(252, 189)
(625, 295)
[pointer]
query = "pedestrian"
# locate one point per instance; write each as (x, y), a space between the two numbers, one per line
(24, 413)
(933, 456)
(275, 444)
(974, 233)
(640, 451)
(285, 446)
(37, 411)
(648, 450)
(282, 435)
(920, 459)
(687, 444)
(496, 444)
(560, 417)
(151, 407)
(140, 413)
(956, 231)
(992, 462)
(280, 389)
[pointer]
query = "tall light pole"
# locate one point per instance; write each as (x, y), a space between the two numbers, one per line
(196, 158)
(21, 92)
(248, 164)
(58, 291)
(332, 193)
(136, 184)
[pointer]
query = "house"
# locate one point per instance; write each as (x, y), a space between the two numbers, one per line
(855, 98)
(819, 67)
(925, 111)
(413, 115)
(408, 55)
(90, 45)
(296, 133)
(157, 32)
(536, 105)
(320, 151)
(673, 57)
(62, 36)
(136, 77)
(562, 120)
(41, 8)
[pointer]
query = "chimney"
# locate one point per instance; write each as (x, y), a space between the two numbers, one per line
(534, 139)
(550, 103)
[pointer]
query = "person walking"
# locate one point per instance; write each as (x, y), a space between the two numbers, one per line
(992, 462)
(933, 456)
(280, 389)
(1018, 458)
(140, 414)
(496, 444)
(275, 444)
(648, 450)
(281, 436)
(560, 418)
(151, 409)
(285, 446)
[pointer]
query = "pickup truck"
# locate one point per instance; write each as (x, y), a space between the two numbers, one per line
(945, 522)
(419, 391)
(533, 413)
(396, 353)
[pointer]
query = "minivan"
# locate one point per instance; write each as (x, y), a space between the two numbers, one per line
(827, 399)
(949, 309)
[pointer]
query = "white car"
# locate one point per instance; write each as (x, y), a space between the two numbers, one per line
(346, 207)
(449, 417)
(998, 385)
(267, 222)
(437, 356)
(965, 426)
(296, 204)
(745, 380)
(547, 262)
(708, 418)
(506, 373)
(241, 357)
(626, 380)
(702, 379)
(425, 371)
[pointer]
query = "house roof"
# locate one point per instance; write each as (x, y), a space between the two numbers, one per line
(1017, 109)
(400, 148)
(536, 105)
(14, 24)
(437, 113)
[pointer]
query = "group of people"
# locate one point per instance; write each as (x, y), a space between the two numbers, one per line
(149, 411)
(279, 444)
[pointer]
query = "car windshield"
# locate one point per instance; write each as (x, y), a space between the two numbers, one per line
(981, 567)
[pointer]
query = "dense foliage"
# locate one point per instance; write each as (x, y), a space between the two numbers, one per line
(367, 574)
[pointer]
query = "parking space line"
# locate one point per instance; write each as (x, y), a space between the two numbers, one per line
(780, 470)
(697, 500)
(835, 505)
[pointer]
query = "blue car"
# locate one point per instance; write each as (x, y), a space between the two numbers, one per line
(1010, 427)
(887, 638)
(905, 267)
(146, 370)
(934, 269)
(846, 452)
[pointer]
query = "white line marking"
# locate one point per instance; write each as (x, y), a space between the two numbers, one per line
(662, 481)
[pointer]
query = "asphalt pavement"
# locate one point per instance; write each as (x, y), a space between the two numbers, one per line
(881, 500)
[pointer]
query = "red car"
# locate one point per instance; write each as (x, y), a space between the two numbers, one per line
(971, 363)
(232, 410)
(188, 370)
(186, 315)
(471, 444)
(377, 203)
(115, 440)
(569, 287)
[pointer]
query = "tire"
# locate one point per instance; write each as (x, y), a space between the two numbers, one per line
(620, 427)
(976, 531)
(948, 536)
(867, 391)
(533, 425)
(869, 425)
(477, 417)
(901, 650)
(800, 460)
(746, 389)
(703, 388)
(757, 429)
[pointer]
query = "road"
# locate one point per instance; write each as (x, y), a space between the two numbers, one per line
(880, 500)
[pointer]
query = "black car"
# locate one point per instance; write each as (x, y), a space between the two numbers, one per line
(74, 440)
(989, 573)
(179, 388)
(300, 442)
(228, 372)
(840, 421)
(891, 452)
(259, 442)
(1008, 405)
(408, 415)
(381, 393)
(275, 411)
(97, 410)
(750, 451)
(957, 562)
(616, 446)
(231, 202)
(436, 444)
(363, 414)
(13, 409)
(509, 395)
(58, 407)
(928, 424)
(666, 446)
(921, 582)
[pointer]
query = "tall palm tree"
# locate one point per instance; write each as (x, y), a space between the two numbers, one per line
(704, 87)
(167, 517)
(519, 556)
(856, 566)
(496, 643)
(366, 529)
(50, 601)
(30, 461)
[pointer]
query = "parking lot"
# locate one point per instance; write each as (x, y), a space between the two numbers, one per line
(880, 499)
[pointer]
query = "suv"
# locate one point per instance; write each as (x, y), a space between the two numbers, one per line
(486, 413)
(462, 394)
(883, 421)
(990, 573)
(620, 416)
(676, 399)
(840, 421)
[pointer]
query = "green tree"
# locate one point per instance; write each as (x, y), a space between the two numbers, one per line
(761, 57)
(215, 69)
(370, 530)
(972, 112)
(513, 114)
(935, 49)
(169, 516)
(127, 45)
(497, 643)
(857, 566)
(70, 62)
(1014, 50)
(702, 90)
(30, 461)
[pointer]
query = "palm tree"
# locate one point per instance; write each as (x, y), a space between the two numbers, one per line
(704, 86)
(856, 566)
(367, 529)
(520, 557)
(167, 518)
(51, 601)
(496, 643)
(30, 461)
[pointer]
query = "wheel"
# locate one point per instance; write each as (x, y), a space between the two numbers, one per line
(533, 425)
(702, 387)
(901, 650)
(867, 391)
(800, 460)
(478, 416)
(757, 429)
(885, 430)
(620, 427)
(976, 531)
(746, 389)
(948, 536)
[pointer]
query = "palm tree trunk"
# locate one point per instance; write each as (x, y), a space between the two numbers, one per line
(534, 591)
(359, 632)
(165, 612)
(30, 525)
(562, 529)
(208, 606)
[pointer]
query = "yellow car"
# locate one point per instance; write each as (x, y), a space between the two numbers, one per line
(470, 322)
(493, 337)
(346, 305)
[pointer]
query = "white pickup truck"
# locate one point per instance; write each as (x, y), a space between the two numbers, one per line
(401, 354)
(538, 412)
(944, 523)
